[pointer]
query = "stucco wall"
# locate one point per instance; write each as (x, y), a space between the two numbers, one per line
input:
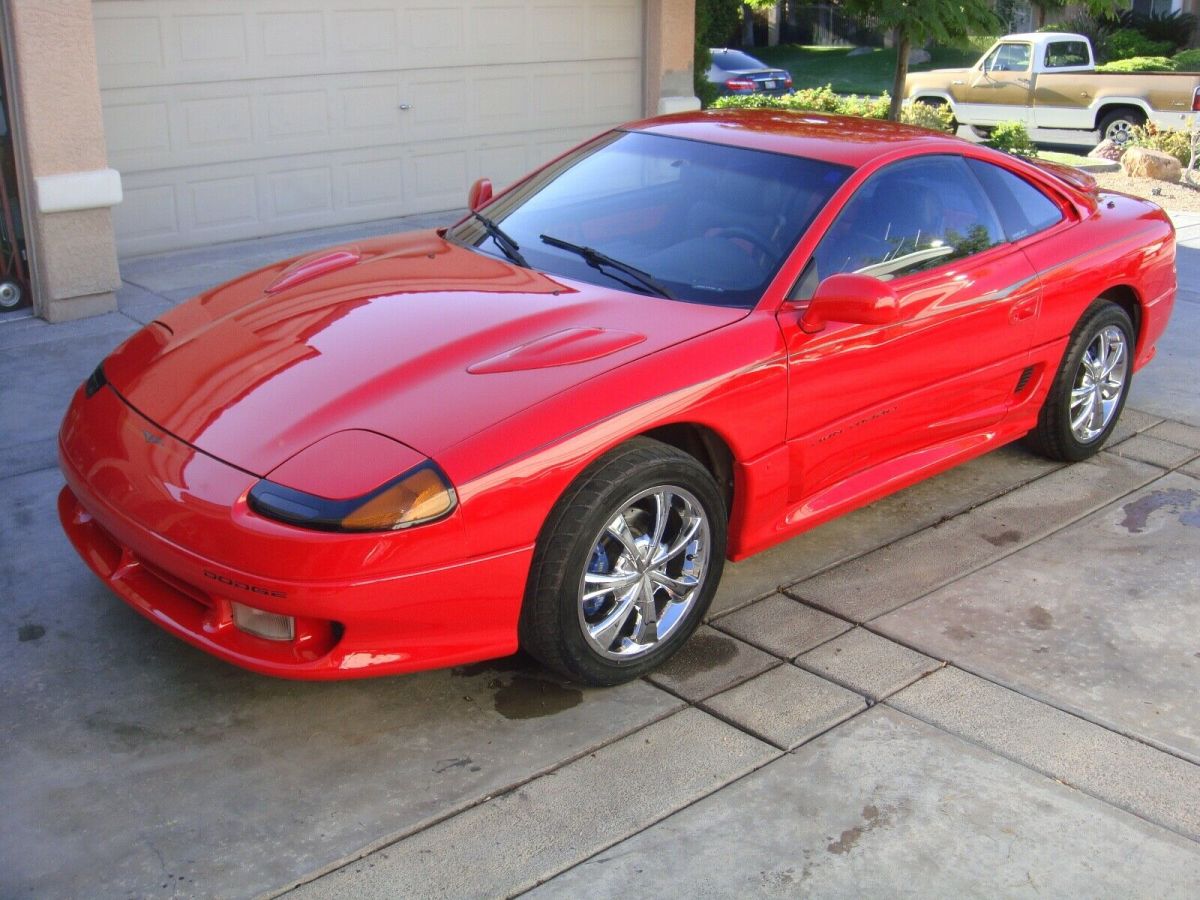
(61, 130)
(670, 48)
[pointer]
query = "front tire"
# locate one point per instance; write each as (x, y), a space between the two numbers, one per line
(1090, 388)
(626, 565)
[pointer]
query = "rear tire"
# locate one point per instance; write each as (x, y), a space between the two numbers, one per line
(626, 565)
(1117, 126)
(1090, 388)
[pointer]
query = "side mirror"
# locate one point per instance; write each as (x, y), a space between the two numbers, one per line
(859, 299)
(480, 194)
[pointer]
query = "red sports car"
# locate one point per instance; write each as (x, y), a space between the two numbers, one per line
(549, 425)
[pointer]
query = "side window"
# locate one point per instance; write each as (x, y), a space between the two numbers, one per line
(912, 216)
(1023, 208)
(1066, 53)
(1008, 58)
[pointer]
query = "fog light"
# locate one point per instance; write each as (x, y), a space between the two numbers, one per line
(271, 626)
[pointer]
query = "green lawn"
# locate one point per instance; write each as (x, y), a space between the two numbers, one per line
(870, 73)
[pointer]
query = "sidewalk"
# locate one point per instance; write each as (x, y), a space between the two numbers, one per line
(983, 685)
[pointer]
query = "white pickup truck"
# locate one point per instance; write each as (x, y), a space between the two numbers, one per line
(1048, 80)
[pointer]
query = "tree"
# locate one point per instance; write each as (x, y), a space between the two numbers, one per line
(749, 8)
(716, 20)
(917, 21)
(1042, 6)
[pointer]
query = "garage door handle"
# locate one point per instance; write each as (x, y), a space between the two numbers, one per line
(406, 106)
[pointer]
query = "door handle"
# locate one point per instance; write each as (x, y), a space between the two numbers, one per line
(958, 82)
(1023, 310)
(405, 106)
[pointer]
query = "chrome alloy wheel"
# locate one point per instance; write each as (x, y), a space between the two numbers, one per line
(646, 569)
(1119, 132)
(1099, 383)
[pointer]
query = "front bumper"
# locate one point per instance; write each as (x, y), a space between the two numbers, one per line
(167, 528)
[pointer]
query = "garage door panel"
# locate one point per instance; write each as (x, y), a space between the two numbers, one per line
(164, 126)
(559, 94)
(221, 202)
(236, 119)
(561, 25)
(613, 91)
(172, 208)
(191, 41)
(296, 114)
(147, 214)
(613, 28)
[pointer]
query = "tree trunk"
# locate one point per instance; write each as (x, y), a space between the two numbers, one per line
(903, 42)
(774, 20)
(747, 25)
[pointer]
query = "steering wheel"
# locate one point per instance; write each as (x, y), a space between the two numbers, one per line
(757, 241)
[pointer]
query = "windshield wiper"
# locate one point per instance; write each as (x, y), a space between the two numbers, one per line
(596, 259)
(510, 247)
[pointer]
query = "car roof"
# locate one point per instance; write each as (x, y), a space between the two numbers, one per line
(845, 140)
(1040, 37)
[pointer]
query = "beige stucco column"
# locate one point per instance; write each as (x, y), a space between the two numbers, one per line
(69, 188)
(670, 45)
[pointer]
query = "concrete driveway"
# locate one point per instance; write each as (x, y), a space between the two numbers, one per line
(986, 684)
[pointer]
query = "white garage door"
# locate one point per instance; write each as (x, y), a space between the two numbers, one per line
(230, 120)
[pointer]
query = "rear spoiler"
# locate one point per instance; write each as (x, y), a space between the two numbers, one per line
(1076, 178)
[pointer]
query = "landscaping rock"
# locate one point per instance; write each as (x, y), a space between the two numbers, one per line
(1144, 163)
(1107, 149)
(861, 51)
(917, 56)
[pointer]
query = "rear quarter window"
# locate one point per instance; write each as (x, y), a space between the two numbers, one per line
(1023, 209)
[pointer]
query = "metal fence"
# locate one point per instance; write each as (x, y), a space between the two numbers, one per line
(824, 25)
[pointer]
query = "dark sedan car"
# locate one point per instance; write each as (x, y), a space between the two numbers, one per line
(735, 72)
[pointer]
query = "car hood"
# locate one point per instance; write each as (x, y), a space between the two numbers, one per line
(412, 337)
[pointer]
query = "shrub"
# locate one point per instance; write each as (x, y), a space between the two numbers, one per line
(823, 99)
(1174, 141)
(1011, 137)
(1187, 61)
(1139, 64)
(1173, 27)
(928, 115)
(1127, 44)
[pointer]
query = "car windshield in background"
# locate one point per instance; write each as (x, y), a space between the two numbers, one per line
(733, 61)
(706, 223)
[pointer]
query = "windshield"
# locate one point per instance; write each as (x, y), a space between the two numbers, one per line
(705, 222)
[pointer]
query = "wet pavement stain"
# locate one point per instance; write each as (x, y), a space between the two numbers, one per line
(1003, 539)
(516, 663)
(521, 689)
(30, 633)
(702, 653)
(872, 818)
(1039, 617)
(1184, 502)
(532, 698)
(958, 633)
